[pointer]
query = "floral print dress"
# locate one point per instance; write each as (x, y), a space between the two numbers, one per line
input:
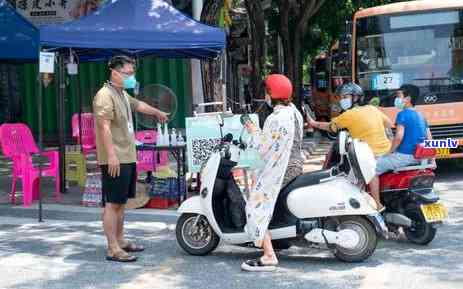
(274, 144)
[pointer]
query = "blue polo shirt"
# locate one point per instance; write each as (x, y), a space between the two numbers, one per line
(415, 130)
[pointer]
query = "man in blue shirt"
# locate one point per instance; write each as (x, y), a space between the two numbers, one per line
(411, 129)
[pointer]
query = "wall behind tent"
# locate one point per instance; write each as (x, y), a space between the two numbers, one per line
(10, 95)
(173, 73)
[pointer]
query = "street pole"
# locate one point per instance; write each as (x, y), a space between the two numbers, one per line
(196, 75)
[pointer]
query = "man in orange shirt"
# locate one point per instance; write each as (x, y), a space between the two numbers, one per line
(366, 123)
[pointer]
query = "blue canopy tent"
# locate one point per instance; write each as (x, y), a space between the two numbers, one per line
(138, 27)
(19, 39)
(135, 27)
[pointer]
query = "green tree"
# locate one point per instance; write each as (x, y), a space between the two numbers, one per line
(293, 19)
(309, 26)
(257, 32)
(210, 69)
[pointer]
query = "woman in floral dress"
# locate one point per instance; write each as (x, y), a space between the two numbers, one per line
(279, 144)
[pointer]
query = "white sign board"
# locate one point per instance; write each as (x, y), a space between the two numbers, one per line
(47, 62)
(386, 81)
(42, 12)
(203, 135)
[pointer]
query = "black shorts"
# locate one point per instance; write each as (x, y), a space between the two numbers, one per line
(118, 190)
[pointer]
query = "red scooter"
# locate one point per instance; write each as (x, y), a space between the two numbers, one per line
(409, 198)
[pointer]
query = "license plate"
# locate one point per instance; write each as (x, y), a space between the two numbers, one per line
(442, 152)
(434, 212)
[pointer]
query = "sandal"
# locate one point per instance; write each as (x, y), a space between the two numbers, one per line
(121, 256)
(132, 247)
(256, 265)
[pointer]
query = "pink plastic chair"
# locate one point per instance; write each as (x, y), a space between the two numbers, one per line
(148, 160)
(18, 144)
(88, 131)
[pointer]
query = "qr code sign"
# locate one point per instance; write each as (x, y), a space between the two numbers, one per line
(202, 149)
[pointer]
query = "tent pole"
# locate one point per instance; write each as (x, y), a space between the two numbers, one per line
(79, 97)
(61, 116)
(40, 115)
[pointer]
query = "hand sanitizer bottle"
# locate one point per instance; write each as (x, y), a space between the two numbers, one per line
(173, 138)
(180, 139)
(159, 135)
(166, 135)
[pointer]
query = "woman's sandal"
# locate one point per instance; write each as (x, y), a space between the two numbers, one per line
(121, 256)
(132, 247)
(256, 265)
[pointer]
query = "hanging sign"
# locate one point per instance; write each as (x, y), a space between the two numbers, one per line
(47, 62)
(41, 12)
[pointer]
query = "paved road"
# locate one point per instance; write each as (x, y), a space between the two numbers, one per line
(68, 252)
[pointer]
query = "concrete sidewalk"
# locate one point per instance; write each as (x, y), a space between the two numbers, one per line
(57, 212)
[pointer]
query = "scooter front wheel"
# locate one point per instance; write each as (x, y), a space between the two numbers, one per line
(367, 239)
(195, 235)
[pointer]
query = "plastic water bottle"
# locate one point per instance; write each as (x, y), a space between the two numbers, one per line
(173, 137)
(84, 197)
(166, 135)
(159, 135)
(91, 191)
(180, 140)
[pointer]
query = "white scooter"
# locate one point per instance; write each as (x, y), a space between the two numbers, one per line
(323, 209)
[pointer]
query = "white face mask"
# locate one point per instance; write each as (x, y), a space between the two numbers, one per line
(345, 103)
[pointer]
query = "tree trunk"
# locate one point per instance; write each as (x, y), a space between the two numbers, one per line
(298, 71)
(293, 53)
(257, 35)
(286, 39)
(210, 68)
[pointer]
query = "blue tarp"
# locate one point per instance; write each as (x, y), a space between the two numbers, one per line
(141, 27)
(19, 39)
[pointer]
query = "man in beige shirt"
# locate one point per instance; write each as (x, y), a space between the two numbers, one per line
(117, 156)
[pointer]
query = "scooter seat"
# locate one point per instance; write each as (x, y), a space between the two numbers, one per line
(307, 179)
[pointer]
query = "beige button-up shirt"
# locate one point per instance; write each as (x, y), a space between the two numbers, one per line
(115, 106)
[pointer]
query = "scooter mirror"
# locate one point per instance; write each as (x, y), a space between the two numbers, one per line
(220, 119)
(222, 116)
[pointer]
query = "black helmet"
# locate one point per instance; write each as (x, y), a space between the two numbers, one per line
(351, 89)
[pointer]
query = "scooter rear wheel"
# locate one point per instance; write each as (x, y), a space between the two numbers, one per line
(421, 233)
(196, 236)
(367, 239)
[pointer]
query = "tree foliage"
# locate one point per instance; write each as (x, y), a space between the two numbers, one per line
(293, 18)
(325, 27)
(306, 27)
(320, 29)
